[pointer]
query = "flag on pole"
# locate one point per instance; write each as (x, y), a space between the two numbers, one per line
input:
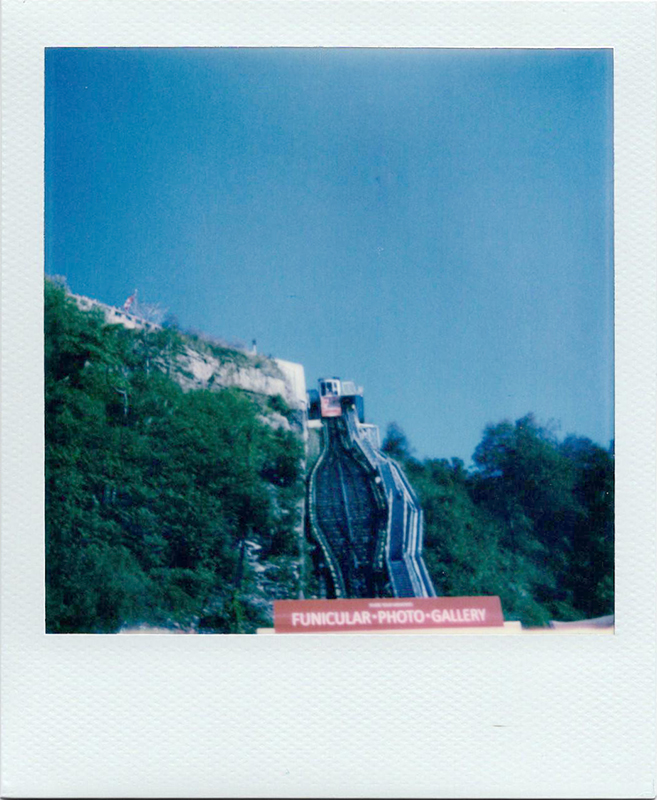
(130, 301)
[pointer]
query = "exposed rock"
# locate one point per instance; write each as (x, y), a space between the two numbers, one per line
(194, 369)
(275, 579)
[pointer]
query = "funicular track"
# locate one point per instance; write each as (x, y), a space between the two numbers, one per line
(364, 514)
(402, 543)
(348, 514)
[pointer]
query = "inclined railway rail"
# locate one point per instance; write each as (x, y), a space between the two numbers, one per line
(349, 514)
(365, 516)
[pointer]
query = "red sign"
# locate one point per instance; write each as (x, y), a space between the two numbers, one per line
(384, 613)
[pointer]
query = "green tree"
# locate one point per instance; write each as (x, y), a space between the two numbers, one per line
(527, 483)
(395, 443)
(591, 576)
(463, 545)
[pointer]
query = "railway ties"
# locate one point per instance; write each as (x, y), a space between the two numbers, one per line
(366, 518)
(346, 512)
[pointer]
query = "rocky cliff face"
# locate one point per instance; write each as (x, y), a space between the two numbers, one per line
(198, 364)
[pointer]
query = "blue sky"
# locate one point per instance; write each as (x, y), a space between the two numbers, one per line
(435, 225)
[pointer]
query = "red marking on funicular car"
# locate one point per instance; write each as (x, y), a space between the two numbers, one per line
(331, 406)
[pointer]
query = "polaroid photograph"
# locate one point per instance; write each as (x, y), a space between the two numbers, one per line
(328, 362)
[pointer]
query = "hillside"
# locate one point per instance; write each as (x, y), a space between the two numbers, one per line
(532, 522)
(174, 478)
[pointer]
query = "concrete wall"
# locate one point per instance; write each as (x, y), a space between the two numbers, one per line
(296, 378)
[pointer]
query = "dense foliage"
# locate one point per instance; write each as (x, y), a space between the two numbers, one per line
(533, 522)
(156, 499)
